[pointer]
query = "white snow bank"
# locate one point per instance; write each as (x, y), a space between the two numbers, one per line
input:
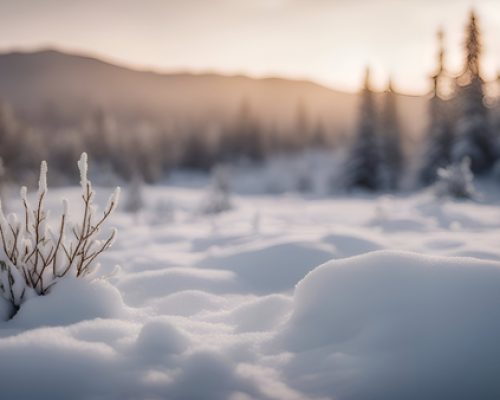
(187, 303)
(143, 286)
(273, 268)
(113, 359)
(70, 301)
(211, 376)
(348, 245)
(393, 325)
(261, 314)
(50, 364)
(158, 340)
(5, 309)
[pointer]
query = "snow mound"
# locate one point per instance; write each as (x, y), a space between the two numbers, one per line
(261, 314)
(274, 268)
(400, 224)
(170, 280)
(58, 366)
(210, 376)
(351, 245)
(187, 303)
(393, 325)
(482, 254)
(71, 300)
(159, 339)
(5, 309)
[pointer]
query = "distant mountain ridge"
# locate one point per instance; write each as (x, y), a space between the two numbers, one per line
(34, 82)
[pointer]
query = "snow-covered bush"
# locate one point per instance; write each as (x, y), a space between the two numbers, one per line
(218, 199)
(34, 256)
(456, 181)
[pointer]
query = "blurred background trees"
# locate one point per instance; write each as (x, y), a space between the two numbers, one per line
(380, 147)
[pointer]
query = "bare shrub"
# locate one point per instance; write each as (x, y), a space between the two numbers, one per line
(34, 257)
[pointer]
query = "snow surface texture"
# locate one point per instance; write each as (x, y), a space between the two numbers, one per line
(238, 306)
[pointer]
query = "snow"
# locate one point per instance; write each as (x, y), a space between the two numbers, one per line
(158, 340)
(274, 268)
(388, 314)
(326, 298)
(72, 301)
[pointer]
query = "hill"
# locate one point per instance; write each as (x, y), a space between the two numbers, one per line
(50, 81)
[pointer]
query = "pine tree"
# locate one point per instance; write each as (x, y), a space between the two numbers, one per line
(100, 136)
(319, 139)
(362, 166)
(391, 142)
(439, 140)
(302, 130)
(195, 153)
(251, 135)
(244, 139)
(496, 116)
(473, 130)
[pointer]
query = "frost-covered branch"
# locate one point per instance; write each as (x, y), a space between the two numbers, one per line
(33, 257)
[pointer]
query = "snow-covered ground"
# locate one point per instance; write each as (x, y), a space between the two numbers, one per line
(283, 297)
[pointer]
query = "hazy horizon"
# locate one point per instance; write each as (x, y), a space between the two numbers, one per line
(327, 42)
(186, 70)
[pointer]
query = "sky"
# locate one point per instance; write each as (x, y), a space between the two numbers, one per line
(327, 41)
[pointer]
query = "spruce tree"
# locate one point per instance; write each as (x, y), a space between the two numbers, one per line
(244, 139)
(99, 138)
(439, 140)
(496, 116)
(302, 130)
(474, 134)
(391, 142)
(319, 139)
(362, 166)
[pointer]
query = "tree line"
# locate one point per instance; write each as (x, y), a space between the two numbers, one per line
(461, 127)
(124, 149)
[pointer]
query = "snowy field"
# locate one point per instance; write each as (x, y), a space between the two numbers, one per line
(283, 297)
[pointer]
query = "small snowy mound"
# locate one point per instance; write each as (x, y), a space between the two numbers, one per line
(57, 366)
(143, 286)
(351, 245)
(5, 309)
(262, 314)
(187, 303)
(274, 268)
(211, 376)
(392, 325)
(71, 301)
(159, 339)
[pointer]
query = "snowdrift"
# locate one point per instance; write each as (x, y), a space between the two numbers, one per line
(212, 308)
(393, 325)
